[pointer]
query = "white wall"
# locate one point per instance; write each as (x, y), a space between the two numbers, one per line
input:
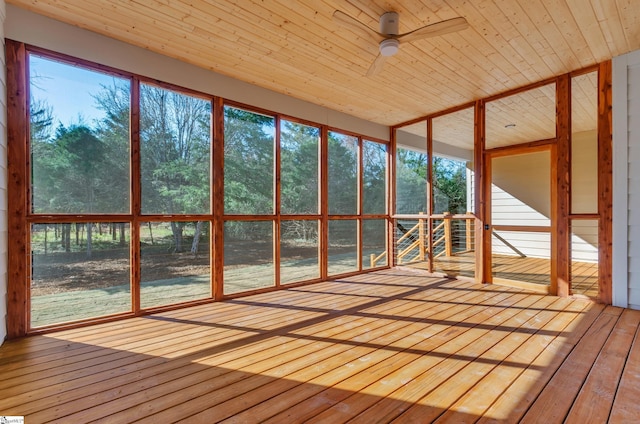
(3, 183)
(626, 180)
(520, 195)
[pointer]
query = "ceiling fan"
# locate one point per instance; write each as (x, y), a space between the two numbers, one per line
(388, 37)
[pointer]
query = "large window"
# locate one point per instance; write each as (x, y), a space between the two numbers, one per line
(79, 149)
(79, 139)
(136, 201)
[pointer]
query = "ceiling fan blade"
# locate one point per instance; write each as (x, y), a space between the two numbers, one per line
(376, 66)
(434, 30)
(353, 24)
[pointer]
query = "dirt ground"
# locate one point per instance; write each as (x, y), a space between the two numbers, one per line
(61, 272)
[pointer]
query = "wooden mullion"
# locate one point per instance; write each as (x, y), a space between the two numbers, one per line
(217, 201)
(343, 217)
(391, 198)
(293, 217)
(59, 219)
(429, 141)
(360, 196)
(277, 199)
(74, 61)
(561, 261)
(538, 145)
(454, 109)
(249, 108)
(247, 217)
(324, 202)
(583, 216)
(605, 182)
(520, 90)
(17, 189)
(136, 196)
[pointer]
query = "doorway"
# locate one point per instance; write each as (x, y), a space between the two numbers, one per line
(519, 219)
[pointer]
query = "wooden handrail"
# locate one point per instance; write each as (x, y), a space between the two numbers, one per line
(421, 242)
(408, 233)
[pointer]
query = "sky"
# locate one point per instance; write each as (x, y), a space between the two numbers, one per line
(68, 90)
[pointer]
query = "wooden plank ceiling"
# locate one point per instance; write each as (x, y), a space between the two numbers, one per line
(297, 49)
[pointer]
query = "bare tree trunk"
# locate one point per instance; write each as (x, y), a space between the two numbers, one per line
(176, 229)
(67, 239)
(89, 238)
(122, 240)
(196, 239)
(150, 232)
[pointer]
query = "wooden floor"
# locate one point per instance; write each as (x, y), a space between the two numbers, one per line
(584, 275)
(391, 346)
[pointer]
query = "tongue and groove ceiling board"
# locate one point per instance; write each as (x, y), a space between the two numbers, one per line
(295, 48)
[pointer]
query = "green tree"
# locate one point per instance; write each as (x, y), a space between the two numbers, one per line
(299, 145)
(249, 141)
(343, 174)
(411, 181)
(175, 155)
(374, 174)
(450, 185)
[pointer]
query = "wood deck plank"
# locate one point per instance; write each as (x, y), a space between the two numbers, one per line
(516, 399)
(345, 404)
(441, 399)
(161, 365)
(390, 407)
(626, 407)
(175, 385)
(294, 372)
(595, 399)
(553, 404)
(494, 382)
(305, 403)
(389, 345)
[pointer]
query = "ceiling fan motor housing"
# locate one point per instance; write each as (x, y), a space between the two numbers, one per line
(390, 23)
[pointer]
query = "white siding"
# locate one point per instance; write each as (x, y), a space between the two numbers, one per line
(626, 177)
(520, 195)
(3, 183)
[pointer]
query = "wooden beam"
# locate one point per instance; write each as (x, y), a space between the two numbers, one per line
(17, 189)
(562, 259)
(605, 182)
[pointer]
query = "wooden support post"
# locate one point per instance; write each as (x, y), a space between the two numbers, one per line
(483, 252)
(217, 203)
(605, 183)
(561, 192)
(448, 240)
(17, 171)
(372, 260)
